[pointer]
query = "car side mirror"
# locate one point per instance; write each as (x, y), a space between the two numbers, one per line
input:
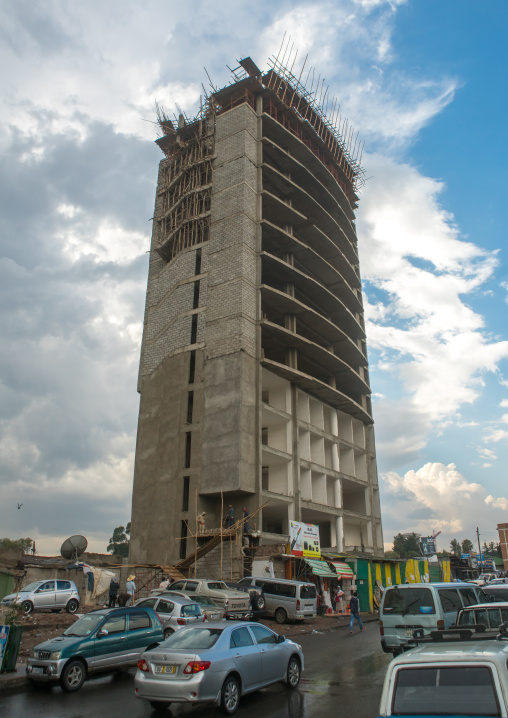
(103, 632)
(281, 639)
(39, 590)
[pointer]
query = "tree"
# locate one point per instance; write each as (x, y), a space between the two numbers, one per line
(407, 545)
(22, 544)
(467, 546)
(119, 542)
(455, 547)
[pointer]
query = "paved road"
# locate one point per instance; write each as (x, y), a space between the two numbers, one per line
(343, 673)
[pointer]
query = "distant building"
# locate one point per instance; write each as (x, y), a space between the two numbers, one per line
(254, 376)
(502, 530)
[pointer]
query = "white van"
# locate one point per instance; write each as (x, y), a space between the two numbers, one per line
(430, 606)
(286, 600)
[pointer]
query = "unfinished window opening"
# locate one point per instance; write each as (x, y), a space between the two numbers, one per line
(194, 329)
(188, 441)
(192, 367)
(264, 436)
(183, 537)
(186, 491)
(264, 478)
(190, 403)
(195, 303)
(197, 269)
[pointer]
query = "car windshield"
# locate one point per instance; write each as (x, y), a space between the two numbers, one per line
(31, 586)
(410, 601)
(84, 625)
(461, 690)
(195, 639)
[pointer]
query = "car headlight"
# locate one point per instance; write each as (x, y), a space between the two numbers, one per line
(55, 655)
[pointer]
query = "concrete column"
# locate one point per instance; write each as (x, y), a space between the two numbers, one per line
(339, 530)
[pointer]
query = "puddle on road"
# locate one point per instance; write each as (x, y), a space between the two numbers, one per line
(348, 675)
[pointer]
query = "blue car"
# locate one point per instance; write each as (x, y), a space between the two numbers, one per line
(100, 641)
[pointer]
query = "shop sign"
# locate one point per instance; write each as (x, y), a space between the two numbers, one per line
(304, 539)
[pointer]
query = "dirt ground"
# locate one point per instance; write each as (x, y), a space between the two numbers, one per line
(41, 626)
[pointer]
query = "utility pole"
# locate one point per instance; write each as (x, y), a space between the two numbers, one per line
(479, 549)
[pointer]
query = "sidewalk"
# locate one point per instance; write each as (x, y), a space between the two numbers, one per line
(14, 681)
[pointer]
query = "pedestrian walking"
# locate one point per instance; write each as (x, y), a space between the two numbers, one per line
(114, 587)
(130, 588)
(354, 607)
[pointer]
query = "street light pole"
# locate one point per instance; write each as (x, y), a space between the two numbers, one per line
(479, 549)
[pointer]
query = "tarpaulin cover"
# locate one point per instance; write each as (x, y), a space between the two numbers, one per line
(342, 569)
(319, 568)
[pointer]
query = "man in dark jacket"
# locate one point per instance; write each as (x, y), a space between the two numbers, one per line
(114, 587)
(354, 607)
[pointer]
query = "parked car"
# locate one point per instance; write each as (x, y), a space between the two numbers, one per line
(429, 606)
(498, 582)
(257, 597)
(99, 641)
(453, 679)
(490, 615)
(174, 612)
(484, 578)
(210, 609)
(286, 600)
(217, 663)
(235, 603)
(54, 595)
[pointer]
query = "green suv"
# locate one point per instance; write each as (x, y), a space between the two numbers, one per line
(100, 641)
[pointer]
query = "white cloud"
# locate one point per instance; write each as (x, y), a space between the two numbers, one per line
(438, 496)
(504, 403)
(418, 273)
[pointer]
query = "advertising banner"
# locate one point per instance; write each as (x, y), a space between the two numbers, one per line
(4, 634)
(428, 545)
(304, 540)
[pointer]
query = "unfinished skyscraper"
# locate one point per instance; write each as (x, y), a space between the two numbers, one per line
(254, 376)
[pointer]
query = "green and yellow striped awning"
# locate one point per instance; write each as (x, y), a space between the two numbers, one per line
(319, 568)
(342, 569)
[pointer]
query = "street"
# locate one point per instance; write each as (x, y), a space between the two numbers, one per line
(342, 672)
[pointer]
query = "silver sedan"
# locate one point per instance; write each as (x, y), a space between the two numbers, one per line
(217, 663)
(174, 612)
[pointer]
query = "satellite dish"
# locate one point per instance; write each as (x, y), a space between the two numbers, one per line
(73, 547)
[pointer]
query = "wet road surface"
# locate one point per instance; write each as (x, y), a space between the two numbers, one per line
(343, 673)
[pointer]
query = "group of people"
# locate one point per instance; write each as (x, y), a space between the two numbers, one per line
(124, 599)
(335, 597)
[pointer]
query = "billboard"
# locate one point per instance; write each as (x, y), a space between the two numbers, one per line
(304, 540)
(428, 545)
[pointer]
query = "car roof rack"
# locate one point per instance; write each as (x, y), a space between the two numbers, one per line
(474, 632)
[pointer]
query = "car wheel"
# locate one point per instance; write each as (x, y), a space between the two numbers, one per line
(293, 672)
(73, 676)
(27, 607)
(159, 705)
(281, 616)
(230, 696)
(72, 606)
(259, 603)
(168, 632)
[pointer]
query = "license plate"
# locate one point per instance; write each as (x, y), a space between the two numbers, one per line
(38, 669)
(165, 669)
(237, 605)
(409, 632)
(214, 616)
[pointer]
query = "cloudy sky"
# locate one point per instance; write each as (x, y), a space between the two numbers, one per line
(422, 81)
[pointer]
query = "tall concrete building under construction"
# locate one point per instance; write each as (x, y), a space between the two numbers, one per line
(254, 376)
